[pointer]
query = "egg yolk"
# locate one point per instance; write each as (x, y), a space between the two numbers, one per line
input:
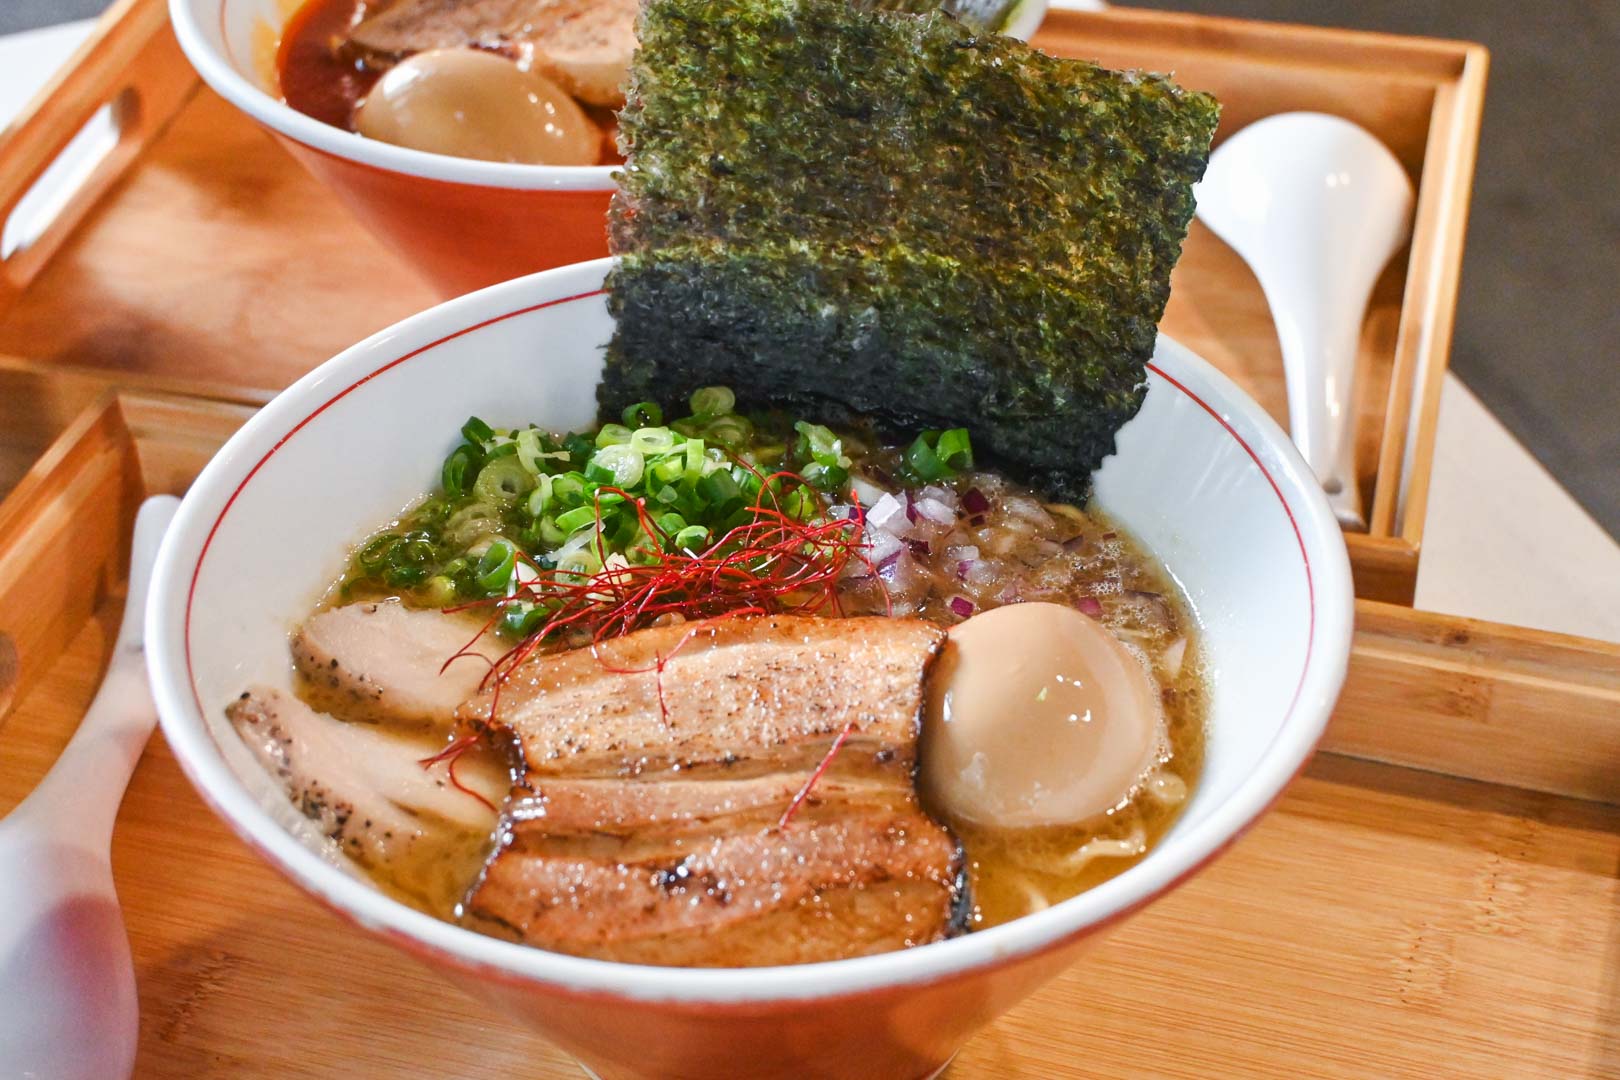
(1037, 715)
(473, 104)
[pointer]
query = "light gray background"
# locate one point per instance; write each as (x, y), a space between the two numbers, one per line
(1538, 326)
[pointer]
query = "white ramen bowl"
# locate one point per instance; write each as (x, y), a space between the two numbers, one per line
(1203, 478)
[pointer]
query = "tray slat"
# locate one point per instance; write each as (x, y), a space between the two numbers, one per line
(1380, 922)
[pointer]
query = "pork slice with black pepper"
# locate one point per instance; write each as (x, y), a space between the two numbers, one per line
(386, 663)
(365, 789)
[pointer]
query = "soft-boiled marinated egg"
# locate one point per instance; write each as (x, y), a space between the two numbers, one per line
(473, 104)
(1037, 715)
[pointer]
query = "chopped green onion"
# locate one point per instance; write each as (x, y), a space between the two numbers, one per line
(713, 401)
(375, 554)
(732, 431)
(653, 440)
(460, 469)
(503, 481)
(540, 497)
(720, 491)
(576, 519)
(643, 414)
(521, 618)
(401, 576)
(690, 538)
(620, 465)
(694, 459)
(579, 447)
(476, 431)
(568, 489)
(529, 450)
(612, 435)
(923, 462)
(494, 570)
(955, 449)
(438, 591)
(821, 445)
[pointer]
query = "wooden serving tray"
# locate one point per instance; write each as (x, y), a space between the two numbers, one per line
(198, 250)
(1381, 922)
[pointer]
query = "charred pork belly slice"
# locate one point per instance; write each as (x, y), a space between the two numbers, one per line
(775, 690)
(365, 788)
(835, 884)
(668, 803)
(674, 813)
(380, 663)
(582, 45)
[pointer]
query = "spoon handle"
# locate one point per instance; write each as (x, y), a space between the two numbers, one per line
(85, 785)
(1320, 344)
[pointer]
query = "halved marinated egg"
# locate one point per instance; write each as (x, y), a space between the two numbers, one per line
(1037, 715)
(473, 104)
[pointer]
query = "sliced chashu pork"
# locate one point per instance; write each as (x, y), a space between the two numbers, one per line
(582, 45)
(366, 789)
(386, 663)
(655, 832)
(836, 884)
(740, 694)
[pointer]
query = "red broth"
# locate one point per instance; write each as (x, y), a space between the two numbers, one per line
(314, 79)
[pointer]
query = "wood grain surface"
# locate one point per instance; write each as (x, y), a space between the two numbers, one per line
(1380, 922)
(213, 258)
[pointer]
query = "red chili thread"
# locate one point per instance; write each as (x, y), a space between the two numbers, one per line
(452, 754)
(804, 792)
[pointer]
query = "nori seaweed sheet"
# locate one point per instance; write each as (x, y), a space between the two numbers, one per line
(847, 212)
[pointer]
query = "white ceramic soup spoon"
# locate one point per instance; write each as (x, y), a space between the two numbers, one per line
(67, 985)
(1316, 206)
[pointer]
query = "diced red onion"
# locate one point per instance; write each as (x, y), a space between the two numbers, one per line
(888, 563)
(1109, 535)
(974, 502)
(882, 546)
(919, 548)
(963, 568)
(911, 509)
(935, 511)
(885, 514)
(1090, 605)
(962, 606)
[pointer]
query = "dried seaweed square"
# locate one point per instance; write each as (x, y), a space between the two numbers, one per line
(848, 211)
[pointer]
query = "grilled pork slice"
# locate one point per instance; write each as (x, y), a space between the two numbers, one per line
(386, 663)
(364, 788)
(677, 811)
(842, 883)
(582, 45)
(669, 804)
(744, 694)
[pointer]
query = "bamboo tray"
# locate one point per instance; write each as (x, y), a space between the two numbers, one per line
(1381, 922)
(197, 250)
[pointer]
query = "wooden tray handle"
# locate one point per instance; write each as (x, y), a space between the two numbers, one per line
(130, 71)
(1481, 700)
